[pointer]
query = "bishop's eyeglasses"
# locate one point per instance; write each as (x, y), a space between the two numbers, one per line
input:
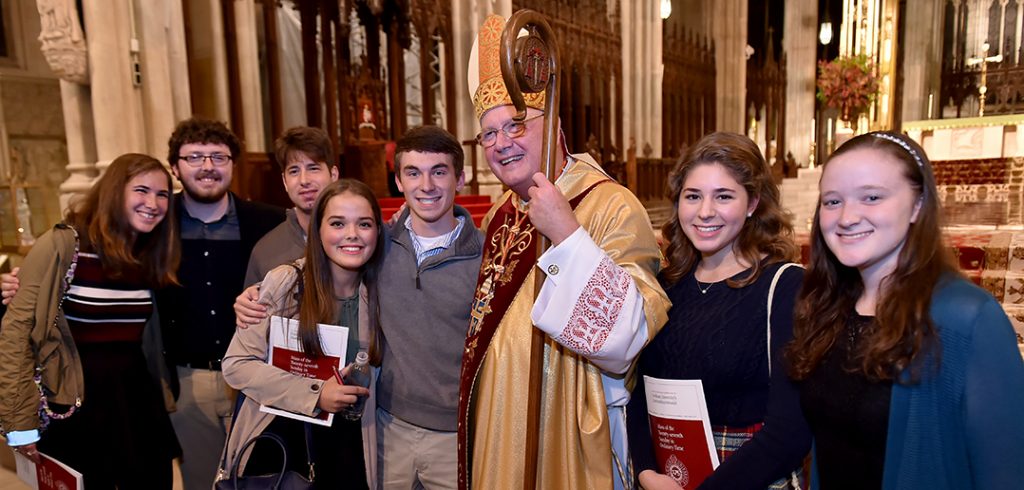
(512, 129)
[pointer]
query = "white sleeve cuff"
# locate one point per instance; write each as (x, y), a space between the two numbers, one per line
(576, 252)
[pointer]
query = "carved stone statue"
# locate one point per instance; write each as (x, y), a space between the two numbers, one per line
(63, 42)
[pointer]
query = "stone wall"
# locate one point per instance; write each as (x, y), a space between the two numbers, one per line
(33, 146)
(37, 150)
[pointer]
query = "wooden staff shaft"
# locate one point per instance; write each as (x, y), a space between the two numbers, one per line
(512, 74)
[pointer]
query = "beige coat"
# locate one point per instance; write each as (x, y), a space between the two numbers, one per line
(246, 369)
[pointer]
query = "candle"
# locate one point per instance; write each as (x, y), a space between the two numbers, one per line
(814, 135)
(931, 109)
(828, 135)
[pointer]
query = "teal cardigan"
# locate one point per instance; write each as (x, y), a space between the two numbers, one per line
(961, 427)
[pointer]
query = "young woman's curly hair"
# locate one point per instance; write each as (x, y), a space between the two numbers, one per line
(767, 232)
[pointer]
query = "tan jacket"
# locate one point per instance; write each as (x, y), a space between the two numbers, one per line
(246, 369)
(30, 336)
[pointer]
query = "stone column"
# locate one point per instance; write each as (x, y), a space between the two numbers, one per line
(64, 47)
(800, 44)
(922, 60)
(250, 79)
(730, 34)
(81, 138)
(642, 73)
(177, 59)
(116, 102)
(470, 15)
(164, 70)
(209, 63)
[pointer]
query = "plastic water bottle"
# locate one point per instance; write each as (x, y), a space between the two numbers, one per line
(358, 375)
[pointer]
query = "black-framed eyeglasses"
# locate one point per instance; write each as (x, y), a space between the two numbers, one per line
(197, 159)
(512, 129)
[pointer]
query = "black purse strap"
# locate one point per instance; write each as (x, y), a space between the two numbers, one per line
(298, 281)
(231, 429)
(308, 430)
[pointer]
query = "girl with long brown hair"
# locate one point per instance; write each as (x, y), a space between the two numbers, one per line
(80, 350)
(730, 259)
(910, 377)
(334, 284)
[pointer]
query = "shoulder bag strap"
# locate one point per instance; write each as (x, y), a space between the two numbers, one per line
(771, 298)
(307, 429)
(65, 285)
(225, 464)
(298, 281)
(793, 479)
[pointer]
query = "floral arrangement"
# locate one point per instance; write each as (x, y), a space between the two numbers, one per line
(847, 84)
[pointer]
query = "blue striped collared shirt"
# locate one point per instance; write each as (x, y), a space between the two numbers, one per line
(440, 244)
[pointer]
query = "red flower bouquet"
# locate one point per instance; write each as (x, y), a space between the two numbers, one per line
(847, 84)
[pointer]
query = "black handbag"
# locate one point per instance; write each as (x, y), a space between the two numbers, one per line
(282, 480)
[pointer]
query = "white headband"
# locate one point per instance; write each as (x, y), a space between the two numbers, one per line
(903, 144)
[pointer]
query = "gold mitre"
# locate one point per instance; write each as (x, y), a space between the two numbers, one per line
(485, 83)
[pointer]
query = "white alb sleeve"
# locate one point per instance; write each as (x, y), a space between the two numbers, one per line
(589, 304)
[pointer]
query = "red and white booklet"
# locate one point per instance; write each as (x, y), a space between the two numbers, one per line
(286, 353)
(681, 430)
(49, 474)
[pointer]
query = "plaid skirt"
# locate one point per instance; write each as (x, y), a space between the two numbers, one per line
(729, 439)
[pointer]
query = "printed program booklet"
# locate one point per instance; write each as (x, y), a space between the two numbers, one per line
(286, 353)
(681, 430)
(49, 474)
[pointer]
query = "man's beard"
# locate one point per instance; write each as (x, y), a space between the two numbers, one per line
(202, 196)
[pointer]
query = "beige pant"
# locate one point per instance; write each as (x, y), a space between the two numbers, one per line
(409, 456)
(201, 422)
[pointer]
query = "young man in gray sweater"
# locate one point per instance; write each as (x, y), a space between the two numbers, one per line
(426, 284)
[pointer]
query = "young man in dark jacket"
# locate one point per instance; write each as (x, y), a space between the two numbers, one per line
(218, 231)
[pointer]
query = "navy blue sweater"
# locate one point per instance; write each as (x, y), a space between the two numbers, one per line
(719, 337)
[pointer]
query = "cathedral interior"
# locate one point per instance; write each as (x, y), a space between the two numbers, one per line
(84, 81)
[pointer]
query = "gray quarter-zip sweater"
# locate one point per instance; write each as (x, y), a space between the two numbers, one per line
(424, 317)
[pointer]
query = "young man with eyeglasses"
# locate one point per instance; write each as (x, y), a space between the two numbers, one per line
(218, 231)
(598, 305)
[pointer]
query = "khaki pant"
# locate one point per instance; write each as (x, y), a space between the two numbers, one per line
(201, 423)
(409, 456)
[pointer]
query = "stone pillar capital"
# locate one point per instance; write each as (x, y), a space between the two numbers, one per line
(62, 39)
